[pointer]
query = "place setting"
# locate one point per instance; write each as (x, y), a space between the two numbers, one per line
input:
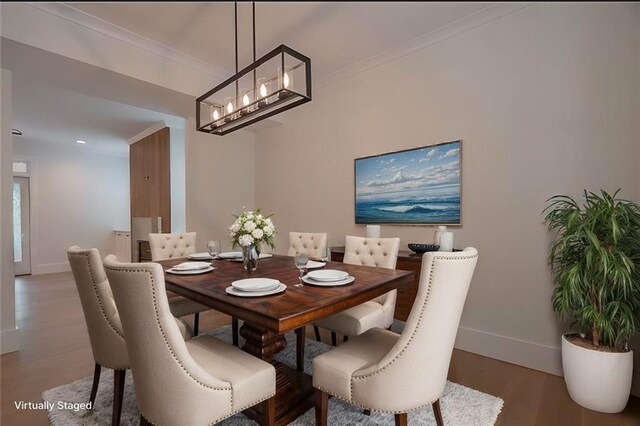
(191, 268)
(255, 287)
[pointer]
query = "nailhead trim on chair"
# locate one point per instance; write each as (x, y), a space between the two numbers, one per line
(353, 378)
(164, 337)
(97, 293)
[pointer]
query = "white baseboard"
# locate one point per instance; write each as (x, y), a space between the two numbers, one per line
(51, 268)
(9, 341)
(520, 352)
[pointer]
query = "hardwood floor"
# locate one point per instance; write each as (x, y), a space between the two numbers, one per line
(56, 350)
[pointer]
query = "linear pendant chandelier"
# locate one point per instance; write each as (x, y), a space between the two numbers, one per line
(278, 81)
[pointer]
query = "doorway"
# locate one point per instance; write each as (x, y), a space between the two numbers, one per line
(21, 231)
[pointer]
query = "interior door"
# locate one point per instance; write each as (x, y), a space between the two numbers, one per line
(21, 237)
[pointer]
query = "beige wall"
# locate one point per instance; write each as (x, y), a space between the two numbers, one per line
(219, 182)
(544, 101)
(8, 330)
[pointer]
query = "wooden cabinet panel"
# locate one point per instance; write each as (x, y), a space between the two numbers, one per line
(149, 171)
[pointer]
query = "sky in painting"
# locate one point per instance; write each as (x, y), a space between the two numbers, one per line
(428, 172)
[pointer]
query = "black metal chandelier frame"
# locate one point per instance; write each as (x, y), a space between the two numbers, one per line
(283, 99)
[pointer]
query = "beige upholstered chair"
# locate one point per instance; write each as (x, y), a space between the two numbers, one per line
(103, 322)
(169, 246)
(198, 382)
(378, 252)
(383, 371)
(314, 244)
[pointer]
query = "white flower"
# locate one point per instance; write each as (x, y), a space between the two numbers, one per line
(245, 240)
(257, 233)
(249, 226)
(259, 217)
(235, 227)
(268, 230)
(249, 215)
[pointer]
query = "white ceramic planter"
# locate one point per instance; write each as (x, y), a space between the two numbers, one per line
(599, 381)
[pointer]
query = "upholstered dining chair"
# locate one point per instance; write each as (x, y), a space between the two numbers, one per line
(383, 371)
(198, 382)
(170, 246)
(103, 322)
(314, 244)
(378, 252)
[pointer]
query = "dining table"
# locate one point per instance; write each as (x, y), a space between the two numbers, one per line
(267, 318)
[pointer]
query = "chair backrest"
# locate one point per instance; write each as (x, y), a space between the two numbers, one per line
(314, 244)
(415, 370)
(100, 312)
(380, 252)
(171, 387)
(167, 246)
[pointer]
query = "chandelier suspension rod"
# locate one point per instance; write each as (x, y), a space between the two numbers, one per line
(236, 39)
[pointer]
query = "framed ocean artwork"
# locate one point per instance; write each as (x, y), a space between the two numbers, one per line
(414, 186)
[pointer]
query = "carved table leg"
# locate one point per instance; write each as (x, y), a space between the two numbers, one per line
(293, 388)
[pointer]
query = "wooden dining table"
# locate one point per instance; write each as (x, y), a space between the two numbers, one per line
(267, 318)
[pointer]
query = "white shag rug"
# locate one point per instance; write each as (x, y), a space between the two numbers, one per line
(460, 405)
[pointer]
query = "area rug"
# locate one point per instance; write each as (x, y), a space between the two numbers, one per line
(460, 405)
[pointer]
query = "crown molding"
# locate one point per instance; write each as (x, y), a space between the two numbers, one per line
(481, 17)
(101, 26)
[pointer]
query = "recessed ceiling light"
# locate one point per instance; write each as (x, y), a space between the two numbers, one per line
(80, 142)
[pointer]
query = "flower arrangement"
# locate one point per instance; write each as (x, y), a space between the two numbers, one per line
(252, 228)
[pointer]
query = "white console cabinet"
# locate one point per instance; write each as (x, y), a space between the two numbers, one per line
(122, 245)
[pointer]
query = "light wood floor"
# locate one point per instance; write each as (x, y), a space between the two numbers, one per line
(55, 351)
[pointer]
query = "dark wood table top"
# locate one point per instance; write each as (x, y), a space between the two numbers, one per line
(297, 306)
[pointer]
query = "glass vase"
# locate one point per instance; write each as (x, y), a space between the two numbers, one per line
(250, 258)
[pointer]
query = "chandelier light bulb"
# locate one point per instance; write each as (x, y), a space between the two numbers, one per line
(286, 80)
(216, 114)
(229, 108)
(263, 91)
(246, 100)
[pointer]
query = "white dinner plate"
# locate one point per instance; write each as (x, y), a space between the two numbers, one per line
(200, 256)
(230, 255)
(327, 275)
(191, 272)
(348, 280)
(191, 266)
(255, 284)
(234, 292)
(312, 264)
(262, 256)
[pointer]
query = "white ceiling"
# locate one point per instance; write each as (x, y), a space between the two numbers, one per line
(335, 35)
(61, 117)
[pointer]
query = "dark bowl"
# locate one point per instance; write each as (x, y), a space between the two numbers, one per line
(422, 248)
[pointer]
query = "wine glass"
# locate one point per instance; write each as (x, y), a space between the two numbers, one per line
(301, 259)
(213, 247)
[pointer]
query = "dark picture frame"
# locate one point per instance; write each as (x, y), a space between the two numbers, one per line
(416, 186)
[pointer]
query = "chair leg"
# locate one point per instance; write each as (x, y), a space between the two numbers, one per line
(143, 421)
(269, 412)
(234, 330)
(300, 338)
(316, 330)
(118, 392)
(401, 419)
(96, 382)
(322, 407)
(196, 323)
(333, 339)
(437, 413)
(345, 338)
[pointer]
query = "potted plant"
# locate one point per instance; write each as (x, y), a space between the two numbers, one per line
(595, 259)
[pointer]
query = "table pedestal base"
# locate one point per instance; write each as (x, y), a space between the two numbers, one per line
(294, 390)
